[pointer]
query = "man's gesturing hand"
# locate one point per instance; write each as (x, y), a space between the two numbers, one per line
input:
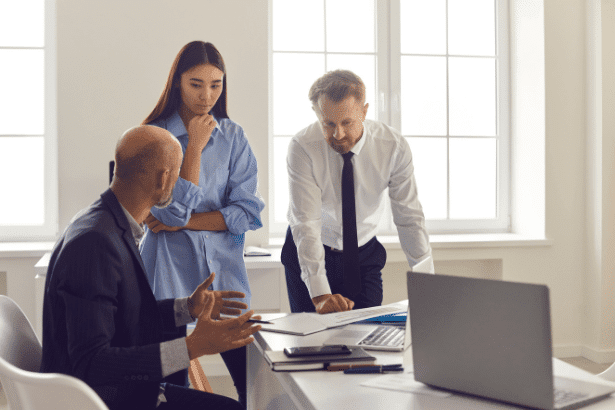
(215, 336)
(196, 301)
(332, 303)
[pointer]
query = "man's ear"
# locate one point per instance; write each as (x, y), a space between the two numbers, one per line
(163, 178)
(365, 107)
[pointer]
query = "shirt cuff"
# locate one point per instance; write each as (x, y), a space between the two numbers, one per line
(174, 356)
(182, 313)
(187, 193)
(317, 285)
(425, 265)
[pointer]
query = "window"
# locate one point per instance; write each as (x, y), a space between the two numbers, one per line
(435, 70)
(27, 120)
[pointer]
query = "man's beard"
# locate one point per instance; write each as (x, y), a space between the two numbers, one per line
(163, 204)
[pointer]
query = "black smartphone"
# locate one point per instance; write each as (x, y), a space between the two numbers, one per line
(316, 350)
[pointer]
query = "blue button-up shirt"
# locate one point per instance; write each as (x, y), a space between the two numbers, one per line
(177, 262)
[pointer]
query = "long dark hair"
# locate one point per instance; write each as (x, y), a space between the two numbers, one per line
(191, 55)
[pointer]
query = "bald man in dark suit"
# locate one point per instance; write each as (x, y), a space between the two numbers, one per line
(101, 321)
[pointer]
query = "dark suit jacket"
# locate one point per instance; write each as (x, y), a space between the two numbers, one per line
(101, 322)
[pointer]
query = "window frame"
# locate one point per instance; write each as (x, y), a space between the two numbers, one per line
(388, 78)
(49, 229)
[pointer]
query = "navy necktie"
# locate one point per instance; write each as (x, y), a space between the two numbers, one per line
(352, 274)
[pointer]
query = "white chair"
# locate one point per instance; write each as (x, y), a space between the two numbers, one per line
(608, 374)
(20, 360)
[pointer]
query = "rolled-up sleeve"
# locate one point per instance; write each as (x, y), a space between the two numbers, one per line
(244, 203)
(186, 197)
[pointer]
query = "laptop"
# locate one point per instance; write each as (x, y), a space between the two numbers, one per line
(386, 338)
(489, 338)
(393, 338)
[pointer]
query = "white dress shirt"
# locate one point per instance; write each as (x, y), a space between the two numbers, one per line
(381, 160)
(174, 353)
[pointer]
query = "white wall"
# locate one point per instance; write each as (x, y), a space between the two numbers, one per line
(113, 59)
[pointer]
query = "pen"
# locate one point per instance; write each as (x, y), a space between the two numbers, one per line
(375, 369)
(338, 367)
(259, 321)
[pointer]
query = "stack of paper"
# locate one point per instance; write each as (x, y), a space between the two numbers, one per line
(307, 323)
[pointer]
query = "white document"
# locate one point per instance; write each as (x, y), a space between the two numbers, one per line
(403, 382)
(308, 323)
(256, 251)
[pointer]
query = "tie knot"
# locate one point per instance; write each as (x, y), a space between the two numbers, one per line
(347, 156)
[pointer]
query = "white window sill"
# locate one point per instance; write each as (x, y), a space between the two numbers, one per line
(460, 241)
(24, 249)
(483, 240)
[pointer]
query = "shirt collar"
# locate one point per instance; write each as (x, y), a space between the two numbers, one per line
(176, 126)
(135, 228)
(356, 150)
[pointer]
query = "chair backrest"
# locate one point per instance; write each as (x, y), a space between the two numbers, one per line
(18, 343)
(609, 373)
(50, 391)
(20, 361)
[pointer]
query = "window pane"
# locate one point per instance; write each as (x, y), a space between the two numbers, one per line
(293, 75)
(22, 92)
(280, 151)
(350, 26)
(430, 170)
(471, 27)
(423, 95)
(365, 67)
(473, 178)
(22, 23)
(472, 99)
(22, 185)
(298, 25)
(423, 26)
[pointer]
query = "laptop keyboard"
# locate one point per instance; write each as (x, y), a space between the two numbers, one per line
(385, 336)
(561, 397)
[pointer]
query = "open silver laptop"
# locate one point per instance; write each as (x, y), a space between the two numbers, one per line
(489, 338)
(388, 338)
(394, 338)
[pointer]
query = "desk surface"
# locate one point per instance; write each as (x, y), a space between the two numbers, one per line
(334, 390)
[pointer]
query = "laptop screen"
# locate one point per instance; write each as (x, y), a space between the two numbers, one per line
(483, 337)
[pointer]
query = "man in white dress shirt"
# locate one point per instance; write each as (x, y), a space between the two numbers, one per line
(313, 253)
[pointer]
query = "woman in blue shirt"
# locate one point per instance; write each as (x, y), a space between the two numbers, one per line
(215, 200)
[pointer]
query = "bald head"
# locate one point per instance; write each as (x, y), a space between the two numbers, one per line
(147, 163)
(143, 151)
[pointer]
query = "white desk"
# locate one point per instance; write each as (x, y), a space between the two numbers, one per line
(320, 390)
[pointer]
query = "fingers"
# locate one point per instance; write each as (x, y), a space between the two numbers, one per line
(230, 311)
(231, 294)
(335, 303)
(341, 303)
(199, 130)
(207, 120)
(234, 304)
(206, 123)
(153, 224)
(231, 307)
(207, 282)
(350, 304)
(207, 308)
